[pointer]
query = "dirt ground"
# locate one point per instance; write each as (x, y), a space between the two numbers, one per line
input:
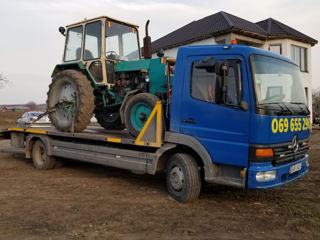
(86, 201)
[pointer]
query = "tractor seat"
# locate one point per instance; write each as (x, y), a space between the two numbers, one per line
(87, 54)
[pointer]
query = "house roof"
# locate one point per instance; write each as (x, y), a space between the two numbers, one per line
(276, 30)
(214, 25)
(222, 23)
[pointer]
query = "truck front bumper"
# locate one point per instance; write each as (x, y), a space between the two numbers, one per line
(283, 174)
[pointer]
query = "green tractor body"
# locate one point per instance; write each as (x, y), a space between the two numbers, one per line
(106, 53)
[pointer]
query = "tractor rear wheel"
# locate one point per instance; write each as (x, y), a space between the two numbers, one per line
(109, 119)
(71, 95)
(138, 110)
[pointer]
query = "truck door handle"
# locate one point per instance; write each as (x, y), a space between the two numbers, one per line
(189, 121)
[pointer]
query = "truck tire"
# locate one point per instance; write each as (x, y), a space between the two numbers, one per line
(40, 158)
(71, 94)
(108, 119)
(137, 111)
(183, 177)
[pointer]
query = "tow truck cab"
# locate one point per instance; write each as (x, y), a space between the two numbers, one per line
(247, 108)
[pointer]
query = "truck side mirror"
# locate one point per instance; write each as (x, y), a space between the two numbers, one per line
(218, 90)
(223, 70)
(244, 105)
(208, 64)
(62, 30)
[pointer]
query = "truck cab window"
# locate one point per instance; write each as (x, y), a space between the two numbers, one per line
(206, 86)
(203, 85)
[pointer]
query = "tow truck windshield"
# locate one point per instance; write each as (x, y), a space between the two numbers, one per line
(278, 87)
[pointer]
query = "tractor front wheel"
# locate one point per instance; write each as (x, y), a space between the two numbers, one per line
(71, 98)
(138, 110)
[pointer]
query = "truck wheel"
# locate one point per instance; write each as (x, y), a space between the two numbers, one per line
(71, 94)
(108, 119)
(183, 177)
(40, 158)
(137, 111)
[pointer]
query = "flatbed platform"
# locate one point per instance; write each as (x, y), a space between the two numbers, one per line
(95, 133)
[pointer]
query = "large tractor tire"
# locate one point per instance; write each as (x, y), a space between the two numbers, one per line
(138, 110)
(109, 119)
(71, 97)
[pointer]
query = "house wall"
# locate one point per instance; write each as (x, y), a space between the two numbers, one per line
(249, 41)
(172, 52)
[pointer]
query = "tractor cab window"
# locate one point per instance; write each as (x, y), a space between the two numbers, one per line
(110, 71)
(73, 44)
(121, 42)
(92, 41)
(96, 71)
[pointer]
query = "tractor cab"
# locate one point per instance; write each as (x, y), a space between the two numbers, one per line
(100, 43)
(102, 73)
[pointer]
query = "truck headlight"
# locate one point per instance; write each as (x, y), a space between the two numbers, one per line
(266, 176)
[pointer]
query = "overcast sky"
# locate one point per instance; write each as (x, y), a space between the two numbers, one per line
(30, 44)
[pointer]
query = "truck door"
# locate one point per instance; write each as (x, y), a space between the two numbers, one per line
(222, 128)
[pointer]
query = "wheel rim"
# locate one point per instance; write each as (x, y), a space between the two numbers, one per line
(67, 101)
(139, 115)
(40, 157)
(176, 178)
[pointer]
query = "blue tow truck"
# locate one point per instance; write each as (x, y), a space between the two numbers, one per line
(237, 116)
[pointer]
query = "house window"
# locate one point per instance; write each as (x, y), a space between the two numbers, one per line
(275, 48)
(223, 41)
(299, 56)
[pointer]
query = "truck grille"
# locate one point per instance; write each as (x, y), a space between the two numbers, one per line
(284, 154)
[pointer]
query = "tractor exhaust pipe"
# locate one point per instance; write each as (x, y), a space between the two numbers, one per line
(147, 50)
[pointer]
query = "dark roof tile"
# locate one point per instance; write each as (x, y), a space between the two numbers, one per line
(243, 24)
(215, 24)
(222, 23)
(276, 29)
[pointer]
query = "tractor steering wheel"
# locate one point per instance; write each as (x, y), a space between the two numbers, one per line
(112, 54)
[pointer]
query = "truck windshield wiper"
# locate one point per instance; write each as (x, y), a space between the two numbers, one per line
(303, 111)
(288, 109)
(284, 109)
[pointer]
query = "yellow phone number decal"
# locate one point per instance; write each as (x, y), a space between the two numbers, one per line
(293, 125)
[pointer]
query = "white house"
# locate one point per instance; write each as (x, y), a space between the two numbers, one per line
(222, 27)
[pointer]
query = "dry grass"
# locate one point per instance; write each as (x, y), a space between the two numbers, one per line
(8, 119)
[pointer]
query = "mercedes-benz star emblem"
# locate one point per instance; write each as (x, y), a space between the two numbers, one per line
(295, 144)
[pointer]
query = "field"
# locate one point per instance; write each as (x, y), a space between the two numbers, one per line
(86, 201)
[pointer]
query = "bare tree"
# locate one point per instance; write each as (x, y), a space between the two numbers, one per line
(32, 105)
(3, 80)
(316, 101)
